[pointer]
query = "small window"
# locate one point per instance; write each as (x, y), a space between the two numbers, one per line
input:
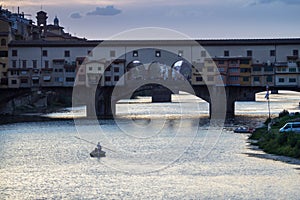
(226, 53)
(34, 63)
(272, 52)
(3, 42)
(24, 63)
(70, 79)
(24, 80)
(157, 53)
(90, 68)
(249, 53)
(269, 79)
(4, 54)
(295, 52)
(245, 78)
(67, 53)
(45, 53)
(292, 80)
(14, 82)
(107, 78)
(203, 53)
(116, 78)
(135, 54)
(116, 69)
(14, 52)
(90, 53)
(14, 64)
(256, 79)
(199, 79)
(46, 63)
(281, 80)
(99, 68)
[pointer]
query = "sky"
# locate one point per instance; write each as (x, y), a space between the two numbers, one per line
(198, 19)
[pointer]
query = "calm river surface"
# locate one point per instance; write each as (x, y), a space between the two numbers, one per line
(148, 157)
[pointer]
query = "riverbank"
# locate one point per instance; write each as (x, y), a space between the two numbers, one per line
(273, 142)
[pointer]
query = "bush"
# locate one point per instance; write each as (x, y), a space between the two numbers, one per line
(283, 113)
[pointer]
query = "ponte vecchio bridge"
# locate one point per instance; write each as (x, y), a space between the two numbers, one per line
(218, 71)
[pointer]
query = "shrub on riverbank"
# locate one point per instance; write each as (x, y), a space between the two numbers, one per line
(287, 144)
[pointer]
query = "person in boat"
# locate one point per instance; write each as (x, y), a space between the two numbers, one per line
(99, 146)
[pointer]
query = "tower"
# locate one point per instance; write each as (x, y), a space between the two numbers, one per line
(42, 22)
(56, 21)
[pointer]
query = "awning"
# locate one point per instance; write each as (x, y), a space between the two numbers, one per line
(46, 78)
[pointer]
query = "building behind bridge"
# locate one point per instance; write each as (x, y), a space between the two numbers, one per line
(43, 55)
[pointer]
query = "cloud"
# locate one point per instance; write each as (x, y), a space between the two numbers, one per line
(105, 11)
(289, 2)
(76, 16)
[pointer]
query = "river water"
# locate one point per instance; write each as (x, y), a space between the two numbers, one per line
(180, 156)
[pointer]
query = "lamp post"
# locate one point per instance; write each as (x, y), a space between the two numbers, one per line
(268, 98)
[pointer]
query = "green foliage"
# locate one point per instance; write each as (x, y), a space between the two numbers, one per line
(283, 113)
(287, 144)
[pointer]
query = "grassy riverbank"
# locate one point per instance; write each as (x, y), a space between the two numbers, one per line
(287, 144)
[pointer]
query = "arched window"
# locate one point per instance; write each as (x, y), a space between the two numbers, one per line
(3, 42)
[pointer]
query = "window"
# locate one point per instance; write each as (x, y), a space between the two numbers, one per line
(116, 78)
(34, 64)
(67, 53)
(268, 69)
(116, 69)
(281, 80)
(210, 78)
(90, 68)
(45, 53)
(269, 79)
(3, 42)
(157, 53)
(14, 64)
(272, 52)
(4, 54)
(99, 68)
(295, 52)
(245, 61)
(256, 68)
(203, 53)
(135, 54)
(245, 70)
(292, 69)
(249, 53)
(70, 70)
(24, 63)
(24, 80)
(107, 78)
(14, 53)
(233, 78)
(180, 53)
(256, 79)
(221, 69)
(221, 62)
(246, 78)
(292, 80)
(13, 81)
(199, 79)
(90, 53)
(70, 79)
(46, 63)
(226, 53)
(112, 53)
(233, 70)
